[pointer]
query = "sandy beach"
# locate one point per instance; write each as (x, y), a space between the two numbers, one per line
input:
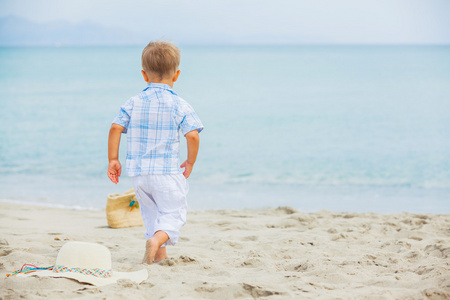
(266, 253)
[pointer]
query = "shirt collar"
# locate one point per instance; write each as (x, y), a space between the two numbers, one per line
(163, 86)
(159, 85)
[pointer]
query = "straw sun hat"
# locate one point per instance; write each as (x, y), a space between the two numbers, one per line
(89, 263)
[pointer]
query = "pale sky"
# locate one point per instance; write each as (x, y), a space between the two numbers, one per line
(255, 21)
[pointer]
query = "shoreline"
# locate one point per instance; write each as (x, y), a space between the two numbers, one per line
(248, 253)
(253, 199)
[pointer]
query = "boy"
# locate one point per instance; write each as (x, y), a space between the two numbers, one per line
(153, 119)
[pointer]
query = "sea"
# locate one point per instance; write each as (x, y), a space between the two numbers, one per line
(340, 128)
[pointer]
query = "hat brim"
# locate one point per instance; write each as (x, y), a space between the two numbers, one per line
(136, 276)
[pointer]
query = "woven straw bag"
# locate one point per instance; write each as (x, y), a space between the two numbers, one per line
(122, 210)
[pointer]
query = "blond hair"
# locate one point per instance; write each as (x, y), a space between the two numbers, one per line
(160, 58)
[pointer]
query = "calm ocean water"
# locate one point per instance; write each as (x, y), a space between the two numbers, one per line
(347, 128)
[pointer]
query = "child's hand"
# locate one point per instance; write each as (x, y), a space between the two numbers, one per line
(114, 170)
(187, 168)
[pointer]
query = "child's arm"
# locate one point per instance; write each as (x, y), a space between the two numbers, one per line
(193, 142)
(114, 167)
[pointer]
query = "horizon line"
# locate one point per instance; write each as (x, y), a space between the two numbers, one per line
(182, 44)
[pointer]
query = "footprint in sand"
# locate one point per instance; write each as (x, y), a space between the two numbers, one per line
(298, 267)
(187, 259)
(5, 252)
(222, 223)
(339, 237)
(167, 262)
(416, 222)
(4, 248)
(436, 293)
(437, 251)
(235, 245)
(283, 224)
(182, 260)
(147, 285)
(423, 270)
(257, 291)
(332, 230)
(413, 256)
(251, 263)
(205, 289)
(251, 238)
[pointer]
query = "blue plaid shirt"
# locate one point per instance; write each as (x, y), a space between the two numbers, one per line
(153, 120)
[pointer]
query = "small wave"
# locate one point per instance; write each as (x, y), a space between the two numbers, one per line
(244, 175)
(252, 178)
(49, 204)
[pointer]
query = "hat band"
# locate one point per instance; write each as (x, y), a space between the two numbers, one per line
(94, 272)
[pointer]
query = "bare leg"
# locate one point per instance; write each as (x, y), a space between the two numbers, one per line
(161, 254)
(153, 245)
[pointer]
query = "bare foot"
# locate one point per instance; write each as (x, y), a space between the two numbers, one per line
(161, 254)
(160, 259)
(151, 247)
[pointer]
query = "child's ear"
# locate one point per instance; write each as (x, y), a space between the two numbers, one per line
(145, 75)
(175, 77)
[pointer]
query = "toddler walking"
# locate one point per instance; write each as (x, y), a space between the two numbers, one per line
(153, 120)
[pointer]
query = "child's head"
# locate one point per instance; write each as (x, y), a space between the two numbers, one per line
(160, 60)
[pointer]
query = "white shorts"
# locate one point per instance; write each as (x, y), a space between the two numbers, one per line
(163, 205)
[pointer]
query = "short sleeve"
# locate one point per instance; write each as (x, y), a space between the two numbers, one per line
(190, 120)
(123, 119)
